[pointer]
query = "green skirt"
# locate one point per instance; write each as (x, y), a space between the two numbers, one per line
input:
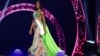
(50, 45)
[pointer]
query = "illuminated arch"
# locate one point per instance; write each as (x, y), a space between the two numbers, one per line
(80, 20)
(98, 30)
(48, 15)
(98, 33)
(81, 27)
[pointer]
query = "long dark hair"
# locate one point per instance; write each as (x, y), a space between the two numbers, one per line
(40, 5)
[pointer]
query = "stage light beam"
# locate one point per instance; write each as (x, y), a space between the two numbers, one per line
(5, 7)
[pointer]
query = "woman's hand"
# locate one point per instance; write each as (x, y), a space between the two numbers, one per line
(32, 25)
(30, 32)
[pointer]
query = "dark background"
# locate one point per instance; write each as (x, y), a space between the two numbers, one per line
(97, 8)
(15, 27)
(92, 16)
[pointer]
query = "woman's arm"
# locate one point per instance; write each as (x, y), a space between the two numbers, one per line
(32, 25)
(44, 22)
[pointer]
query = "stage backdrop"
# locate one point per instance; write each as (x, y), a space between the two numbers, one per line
(14, 28)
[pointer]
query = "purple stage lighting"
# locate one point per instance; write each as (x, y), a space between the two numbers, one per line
(17, 52)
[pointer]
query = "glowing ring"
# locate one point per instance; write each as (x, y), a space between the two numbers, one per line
(48, 15)
(98, 30)
(81, 27)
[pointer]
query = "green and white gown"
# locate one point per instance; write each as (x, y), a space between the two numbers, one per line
(47, 41)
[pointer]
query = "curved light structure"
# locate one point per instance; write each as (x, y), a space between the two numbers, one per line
(48, 15)
(80, 21)
(98, 30)
(81, 27)
(98, 34)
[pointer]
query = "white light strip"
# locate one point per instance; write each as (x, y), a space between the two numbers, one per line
(4, 10)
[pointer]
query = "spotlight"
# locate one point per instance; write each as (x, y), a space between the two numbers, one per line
(61, 53)
(91, 41)
(89, 48)
(17, 52)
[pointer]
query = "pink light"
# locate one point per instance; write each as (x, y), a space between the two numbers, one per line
(49, 16)
(80, 17)
(98, 29)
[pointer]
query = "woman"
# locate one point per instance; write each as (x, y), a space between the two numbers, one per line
(37, 47)
(43, 43)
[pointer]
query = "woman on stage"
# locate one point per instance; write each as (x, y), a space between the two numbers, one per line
(43, 43)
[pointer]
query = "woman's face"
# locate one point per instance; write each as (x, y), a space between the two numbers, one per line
(37, 5)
